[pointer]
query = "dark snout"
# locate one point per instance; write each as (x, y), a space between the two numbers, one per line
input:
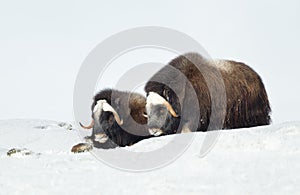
(98, 134)
(155, 125)
(160, 121)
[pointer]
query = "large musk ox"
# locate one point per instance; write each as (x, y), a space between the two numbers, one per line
(246, 100)
(118, 119)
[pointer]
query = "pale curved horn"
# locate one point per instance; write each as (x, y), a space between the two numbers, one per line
(170, 109)
(157, 99)
(88, 127)
(107, 107)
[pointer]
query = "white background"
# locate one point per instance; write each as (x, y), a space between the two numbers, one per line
(43, 43)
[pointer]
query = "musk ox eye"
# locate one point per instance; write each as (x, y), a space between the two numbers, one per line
(161, 110)
(111, 119)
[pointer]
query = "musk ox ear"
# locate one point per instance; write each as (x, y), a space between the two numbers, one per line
(117, 101)
(166, 94)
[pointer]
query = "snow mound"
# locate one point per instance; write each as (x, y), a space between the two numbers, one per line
(256, 160)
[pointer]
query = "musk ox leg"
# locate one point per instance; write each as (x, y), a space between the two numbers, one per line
(186, 129)
(82, 147)
(188, 125)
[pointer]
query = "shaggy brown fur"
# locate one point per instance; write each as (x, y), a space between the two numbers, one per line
(246, 98)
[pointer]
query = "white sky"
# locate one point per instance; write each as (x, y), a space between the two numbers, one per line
(43, 43)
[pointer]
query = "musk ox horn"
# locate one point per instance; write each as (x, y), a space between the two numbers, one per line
(170, 109)
(107, 107)
(157, 99)
(87, 127)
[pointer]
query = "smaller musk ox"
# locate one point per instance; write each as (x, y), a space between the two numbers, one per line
(246, 101)
(118, 119)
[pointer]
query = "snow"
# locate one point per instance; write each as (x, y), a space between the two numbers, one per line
(256, 160)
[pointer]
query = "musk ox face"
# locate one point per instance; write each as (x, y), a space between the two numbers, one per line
(161, 115)
(102, 126)
(105, 118)
(109, 109)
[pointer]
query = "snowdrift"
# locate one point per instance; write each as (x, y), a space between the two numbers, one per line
(243, 161)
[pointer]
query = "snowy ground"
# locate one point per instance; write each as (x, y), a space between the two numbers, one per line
(245, 161)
